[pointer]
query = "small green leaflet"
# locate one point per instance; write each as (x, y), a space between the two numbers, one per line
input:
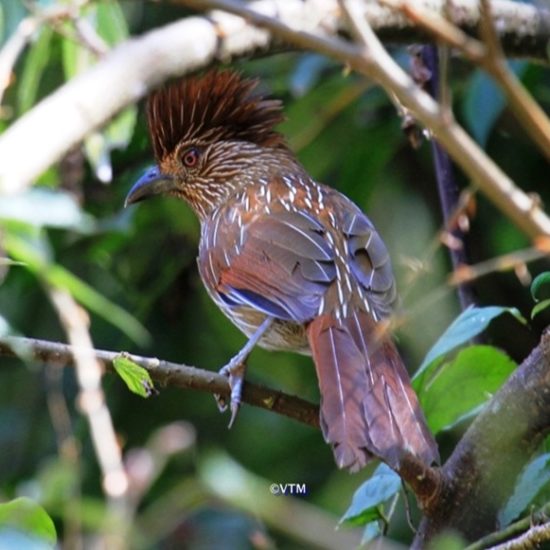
(135, 377)
(26, 516)
(540, 280)
(366, 502)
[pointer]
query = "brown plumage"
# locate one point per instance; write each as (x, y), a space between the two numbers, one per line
(294, 264)
(186, 110)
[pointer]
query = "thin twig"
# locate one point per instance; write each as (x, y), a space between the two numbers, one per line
(449, 196)
(505, 262)
(26, 29)
(532, 538)
(12, 49)
(134, 67)
(519, 526)
(69, 452)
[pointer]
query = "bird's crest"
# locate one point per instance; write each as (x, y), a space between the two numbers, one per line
(218, 105)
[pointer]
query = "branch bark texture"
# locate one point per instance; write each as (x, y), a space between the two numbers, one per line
(481, 473)
(165, 373)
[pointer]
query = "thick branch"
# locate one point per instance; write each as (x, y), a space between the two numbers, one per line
(65, 117)
(481, 473)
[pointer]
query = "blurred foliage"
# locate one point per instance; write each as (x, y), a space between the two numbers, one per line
(135, 272)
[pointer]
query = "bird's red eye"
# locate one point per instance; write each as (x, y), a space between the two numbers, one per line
(190, 157)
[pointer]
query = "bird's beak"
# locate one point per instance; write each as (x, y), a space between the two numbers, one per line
(153, 182)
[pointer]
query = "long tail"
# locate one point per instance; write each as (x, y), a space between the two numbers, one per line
(368, 407)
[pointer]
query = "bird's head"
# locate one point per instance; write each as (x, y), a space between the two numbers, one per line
(208, 134)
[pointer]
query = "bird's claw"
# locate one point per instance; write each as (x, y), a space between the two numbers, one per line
(234, 371)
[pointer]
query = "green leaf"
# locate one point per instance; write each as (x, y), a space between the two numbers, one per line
(484, 102)
(35, 63)
(466, 326)
(459, 387)
(533, 478)
(135, 377)
(121, 129)
(541, 306)
(26, 516)
(45, 207)
(110, 22)
(366, 502)
(36, 256)
(107, 19)
(540, 280)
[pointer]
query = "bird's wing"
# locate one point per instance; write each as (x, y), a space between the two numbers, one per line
(280, 264)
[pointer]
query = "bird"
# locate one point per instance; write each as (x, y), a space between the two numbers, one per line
(293, 263)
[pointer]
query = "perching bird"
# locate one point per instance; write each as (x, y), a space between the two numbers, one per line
(294, 264)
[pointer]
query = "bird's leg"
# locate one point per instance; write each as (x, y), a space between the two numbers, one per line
(236, 368)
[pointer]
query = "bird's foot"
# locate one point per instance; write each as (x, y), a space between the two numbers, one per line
(234, 371)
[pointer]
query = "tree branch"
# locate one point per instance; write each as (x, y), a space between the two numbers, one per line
(513, 530)
(481, 473)
(533, 538)
(423, 480)
(166, 373)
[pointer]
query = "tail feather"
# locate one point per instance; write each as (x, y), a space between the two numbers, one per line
(368, 407)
